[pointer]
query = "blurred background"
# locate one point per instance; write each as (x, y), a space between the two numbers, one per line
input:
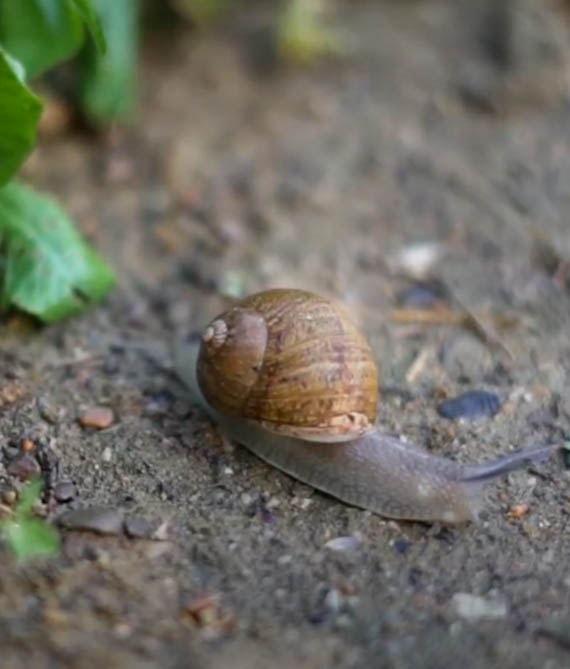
(292, 143)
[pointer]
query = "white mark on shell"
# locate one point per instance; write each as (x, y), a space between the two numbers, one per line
(215, 334)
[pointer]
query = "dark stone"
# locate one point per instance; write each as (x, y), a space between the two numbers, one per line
(93, 519)
(401, 546)
(137, 527)
(65, 492)
(24, 467)
(470, 405)
(421, 296)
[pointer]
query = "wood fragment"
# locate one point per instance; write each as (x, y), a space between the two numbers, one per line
(419, 365)
(480, 326)
(478, 322)
(440, 316)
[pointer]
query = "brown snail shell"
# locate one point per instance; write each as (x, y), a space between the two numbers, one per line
(294, 363)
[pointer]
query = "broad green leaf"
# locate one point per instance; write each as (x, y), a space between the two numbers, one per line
(87, 13)
(29, 496)
(20, 110)
(108, 81)
(26, 535)
(29, 537)
(17, 67)
(46, 268)
(40, 33)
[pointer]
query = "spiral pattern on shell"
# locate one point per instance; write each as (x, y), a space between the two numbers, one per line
(293, 362)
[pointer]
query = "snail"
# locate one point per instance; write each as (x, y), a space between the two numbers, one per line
(287, 374)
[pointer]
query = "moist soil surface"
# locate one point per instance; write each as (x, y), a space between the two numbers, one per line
(434, 128)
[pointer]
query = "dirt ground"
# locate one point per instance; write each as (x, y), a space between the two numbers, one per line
(235, 180)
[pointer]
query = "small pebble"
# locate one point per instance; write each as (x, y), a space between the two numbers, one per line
(24, 467)
(417, 260)
(64, 492)
(122, 630)
(27, 446)
(209, 616)
(343, 544)
(421, 296)
(470, 405)
(518, 511)
(94, 519)
(9, 496)
(137, 527)
(302, 503)
(49, 412)
(107, 454)
(10, 451)
(10, 393)
(401, 546)
(97, 417)
(247, 499)
(473, 607)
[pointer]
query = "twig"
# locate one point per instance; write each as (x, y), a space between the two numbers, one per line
(485, 330)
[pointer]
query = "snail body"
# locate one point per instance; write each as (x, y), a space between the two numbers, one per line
(274, 338)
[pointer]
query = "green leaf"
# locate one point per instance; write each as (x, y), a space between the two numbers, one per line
(29, 496)
(302, 34)
(108, 81)
(26, 535)
(47, 269)
(40, 33)
(89, 17)
(20, 111)
(30, 537)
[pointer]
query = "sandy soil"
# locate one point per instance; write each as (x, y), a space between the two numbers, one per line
(235, 180)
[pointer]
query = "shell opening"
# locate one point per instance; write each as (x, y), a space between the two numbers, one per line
(216, 333)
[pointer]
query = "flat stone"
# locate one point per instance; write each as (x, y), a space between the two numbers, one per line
(137, 527)
(97, 417)
(474, 607)
(471, 405)
(101, 520)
